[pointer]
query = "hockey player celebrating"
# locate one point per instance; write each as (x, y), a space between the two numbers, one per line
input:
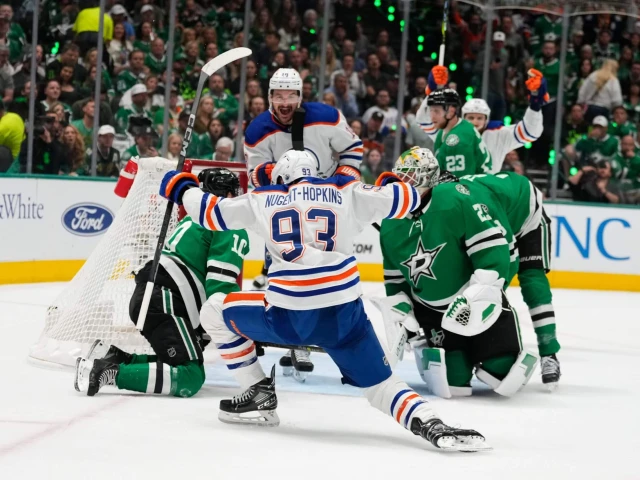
(196, 263)
(313, 297)
(446, 266)
(522, 202)
(326, 135)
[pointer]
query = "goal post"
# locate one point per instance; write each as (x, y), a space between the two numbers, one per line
(95, 304)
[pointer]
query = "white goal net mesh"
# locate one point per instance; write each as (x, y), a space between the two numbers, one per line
(95, 304)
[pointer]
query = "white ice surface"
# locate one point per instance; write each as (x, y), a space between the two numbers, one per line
(588, 429)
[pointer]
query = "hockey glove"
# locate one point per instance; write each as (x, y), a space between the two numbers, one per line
(261, 175)
(438, 77)
(175, 183)
(479, 306)
(397, 315)
(387, 178)
(348, 171)
(537, 86)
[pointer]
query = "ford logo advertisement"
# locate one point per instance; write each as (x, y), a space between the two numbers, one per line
(87, 219)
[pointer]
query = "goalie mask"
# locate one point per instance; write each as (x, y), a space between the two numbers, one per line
(292, 166)
(219, 182)
(476, 107)
(285, 94)
(418, 167)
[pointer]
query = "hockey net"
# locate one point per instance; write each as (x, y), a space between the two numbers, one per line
(95, 304)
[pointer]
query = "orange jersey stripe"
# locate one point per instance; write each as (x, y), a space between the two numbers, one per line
(316, 281)
(405, 197)
(521, 133)
(244, 296)
(404, 405)
(231, 356)
(207, 213)
(178, 177)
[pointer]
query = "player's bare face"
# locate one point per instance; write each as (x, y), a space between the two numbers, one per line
(478, 120)
(284, 104)
(438, 117)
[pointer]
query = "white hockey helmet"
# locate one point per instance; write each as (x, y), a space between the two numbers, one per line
(477, 105)
(418, 167)
(293, 165)
(285, 79)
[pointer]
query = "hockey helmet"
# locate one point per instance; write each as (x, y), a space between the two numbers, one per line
(418, 167)
(444, 98)
(285, 79)
(477, 105)
(219, 181)
(293, 165)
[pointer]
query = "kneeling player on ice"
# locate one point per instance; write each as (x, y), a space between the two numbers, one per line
(196, 263)
(445, 269)
(314, 290)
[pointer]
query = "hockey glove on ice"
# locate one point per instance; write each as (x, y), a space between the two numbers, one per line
(387, 178)
(175, 183)
(438, 77)
(261, 175)
(537, 86)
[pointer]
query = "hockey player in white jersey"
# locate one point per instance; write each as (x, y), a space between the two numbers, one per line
(308, 224)
(499, 139)
(336, 149)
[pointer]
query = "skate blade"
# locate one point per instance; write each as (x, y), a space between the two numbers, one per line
(287, 371)
(97, 350)
(464, 444)
(299, 376)
(267, 418)
(551, 386)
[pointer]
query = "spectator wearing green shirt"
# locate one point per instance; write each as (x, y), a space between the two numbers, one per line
(16, 33)
(598, 142)
(85, 124)
(626, 161)
(621, 126)
(549, 65)
(145, 138)
(226, 105)
(137, 108)
(134, 74)
(145, 37)
(14, 46)
(156, 59)
(174, 112)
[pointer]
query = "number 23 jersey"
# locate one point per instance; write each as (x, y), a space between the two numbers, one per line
(309, 229)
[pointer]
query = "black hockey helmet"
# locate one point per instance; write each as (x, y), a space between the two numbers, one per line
(445, 98)
(219, 182)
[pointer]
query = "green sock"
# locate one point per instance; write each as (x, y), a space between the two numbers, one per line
(537, 295)
(459, 369)
(181, 381)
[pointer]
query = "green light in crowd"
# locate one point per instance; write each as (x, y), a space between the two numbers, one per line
(402, 23)
(527, 145)
(420, 38)
(377, 3)
(434, 55)
(453, 67)
(56, 47)
(293, 47)
(312, 31)
(468, 97)
(552, 154)
(614, 124)
(394, 127)
(402, 29)
(420, 48)
(470, 90)
(507, 121)
(359, 18)
(391, 9)
(552, 161)
(390, 17)
(573, 171)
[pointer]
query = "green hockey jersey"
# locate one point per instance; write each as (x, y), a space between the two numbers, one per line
(123, 114)
(157, 66)
(551, 71)
(432, 255)
(214, 259)
(521, 201)
(128, 79)
(462, 151)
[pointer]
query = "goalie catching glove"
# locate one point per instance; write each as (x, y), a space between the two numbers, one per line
(175, 183)
(479, 306)
(537, 86)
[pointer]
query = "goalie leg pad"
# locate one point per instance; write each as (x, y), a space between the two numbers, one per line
(518, 376)
(447, 374)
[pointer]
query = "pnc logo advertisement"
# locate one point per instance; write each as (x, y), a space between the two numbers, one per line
(87, 219)
(591, 235)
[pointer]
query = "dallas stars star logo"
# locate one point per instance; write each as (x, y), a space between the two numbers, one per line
(421, 261)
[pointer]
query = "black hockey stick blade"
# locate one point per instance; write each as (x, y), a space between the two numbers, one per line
(297, 129)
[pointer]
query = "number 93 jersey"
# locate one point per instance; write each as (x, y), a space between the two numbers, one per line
(308, 228)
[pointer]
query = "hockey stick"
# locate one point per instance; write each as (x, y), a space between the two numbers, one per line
(207, 70)
(297, 129)
(293, 347)
(445, 20)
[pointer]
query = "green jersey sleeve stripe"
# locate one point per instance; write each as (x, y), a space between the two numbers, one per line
(486, 244)
(484, 234)
(223, 266)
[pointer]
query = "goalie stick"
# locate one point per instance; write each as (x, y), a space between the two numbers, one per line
(208, 69)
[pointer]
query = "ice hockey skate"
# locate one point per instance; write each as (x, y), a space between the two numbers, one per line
(102, 350)
(550, 372)
(287, 364)
(255, 406)
(92, 375)
(449, 438)
(302, 364)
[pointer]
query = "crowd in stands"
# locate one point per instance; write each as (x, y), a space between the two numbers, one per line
(600, 155)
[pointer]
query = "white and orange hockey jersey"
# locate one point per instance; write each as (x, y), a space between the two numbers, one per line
(309, 229)
(499, 141)
(326, 135)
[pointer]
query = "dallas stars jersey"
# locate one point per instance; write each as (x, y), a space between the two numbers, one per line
(520, 199)
(431, 255)
(212, 259)
(462, 151)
